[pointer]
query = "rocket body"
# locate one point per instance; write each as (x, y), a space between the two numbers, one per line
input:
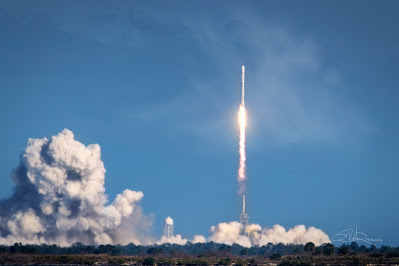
(243, 86)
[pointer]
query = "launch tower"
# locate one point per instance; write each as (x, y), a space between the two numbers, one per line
(168, 228)
(244, 216)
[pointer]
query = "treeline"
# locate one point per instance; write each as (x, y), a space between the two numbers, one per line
(210, 249)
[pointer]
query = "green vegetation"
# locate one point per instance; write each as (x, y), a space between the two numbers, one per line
(275, 256)
(149, 261)
(328, 249)
(310, 247)
(197, 254)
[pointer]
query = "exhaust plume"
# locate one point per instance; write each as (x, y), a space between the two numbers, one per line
(242, 121)
(177, 239)
(198, 239)
(60, 198)
(255, 235)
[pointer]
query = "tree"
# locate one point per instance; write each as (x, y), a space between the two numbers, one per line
(392, 254)
(226, 261)
(154, 251)
(376, 255)
(224, 247)
(343, 250)
(275, 256)
(354, 246)
(148, 261)
(243, 252)
(317, 251)
(310, 247)
(372, 249)
(328, 249)
(3, 249)
(14, 249)
(385, 249)
(362, 249)
(105, 249)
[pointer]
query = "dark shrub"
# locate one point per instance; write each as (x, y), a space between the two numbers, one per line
(275, 256)
(149, 261)
(393, 254)
(376, 255)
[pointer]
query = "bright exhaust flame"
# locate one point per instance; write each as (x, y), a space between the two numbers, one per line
(242, 121)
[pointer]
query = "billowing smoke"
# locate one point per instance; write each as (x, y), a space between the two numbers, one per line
(177, 239)
(60, 198)
(230, 233)
(169, 221)
(254, 235)
(198, 239)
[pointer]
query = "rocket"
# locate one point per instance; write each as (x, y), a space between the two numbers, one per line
(242, 85)
(242, 120)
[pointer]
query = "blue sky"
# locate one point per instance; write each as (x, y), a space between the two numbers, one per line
(157, 86)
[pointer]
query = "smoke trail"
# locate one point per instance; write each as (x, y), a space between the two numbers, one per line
(242, 121)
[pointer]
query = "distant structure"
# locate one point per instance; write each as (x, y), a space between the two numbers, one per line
(168, 229)
(244, 216)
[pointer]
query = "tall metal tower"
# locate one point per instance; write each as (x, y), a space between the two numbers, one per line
(244, 216)
(168, 228)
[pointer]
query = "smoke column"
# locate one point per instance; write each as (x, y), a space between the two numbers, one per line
(59, 198)
(242, 121)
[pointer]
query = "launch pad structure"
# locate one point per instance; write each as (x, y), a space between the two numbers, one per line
(168, 230)
(244, 217)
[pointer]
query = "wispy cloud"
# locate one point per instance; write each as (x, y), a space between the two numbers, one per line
(291, 93)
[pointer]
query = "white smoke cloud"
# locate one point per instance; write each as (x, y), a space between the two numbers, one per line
(169, 220)
(229, 233)
(60, 197)
(297, 235)
(177, 239)
(198, 239)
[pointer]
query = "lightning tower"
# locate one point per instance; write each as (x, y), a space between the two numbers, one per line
(168, 228)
